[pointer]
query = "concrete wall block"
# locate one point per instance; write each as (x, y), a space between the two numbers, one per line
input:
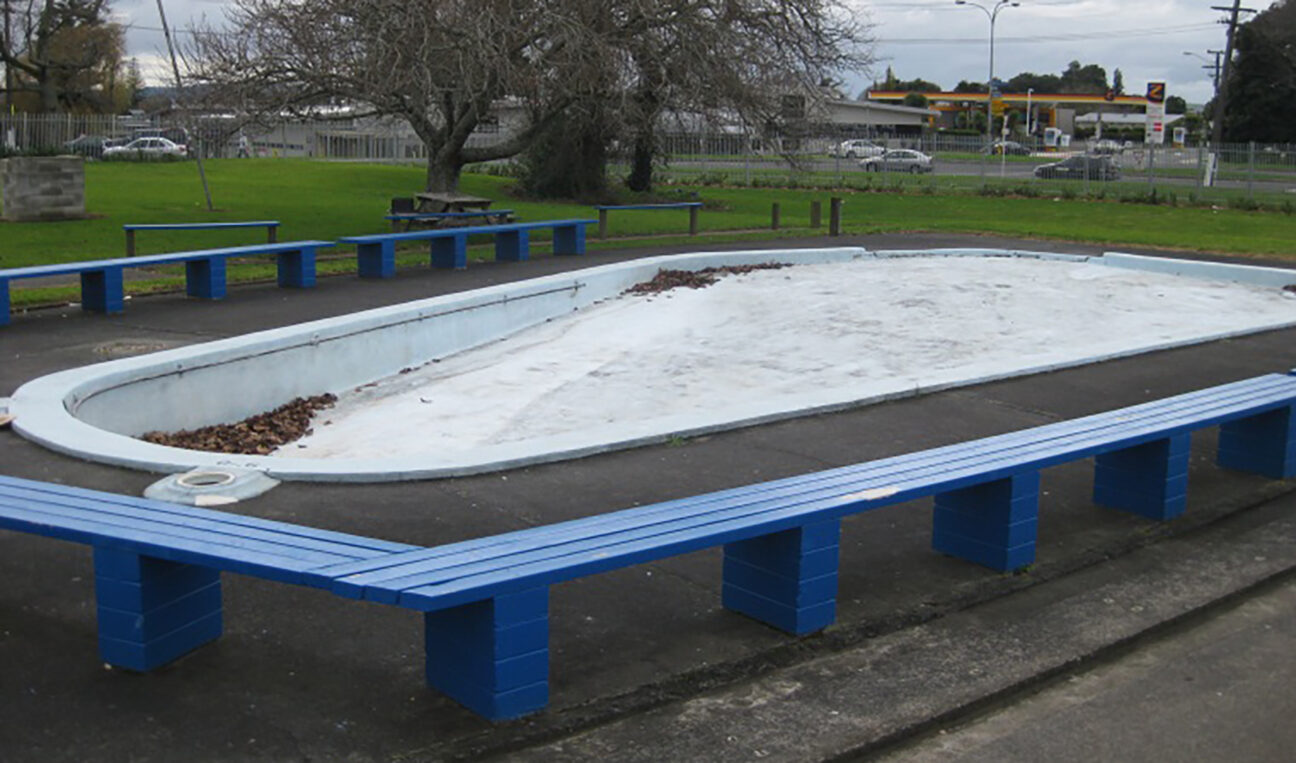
(43, 188)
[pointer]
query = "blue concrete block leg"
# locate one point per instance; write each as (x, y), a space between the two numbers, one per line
(787, 579)
(1150, 480)
(569, 239)
(152, 611)
(102, 291)
(992, 524)
(1264, 444)
(512, 246)
(297, 268)
(4, 301)
(205, 279)
(376, 260)
(450, 252)
(492, 656)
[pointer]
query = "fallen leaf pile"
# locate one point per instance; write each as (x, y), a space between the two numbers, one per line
(665, 280)
(254, 436)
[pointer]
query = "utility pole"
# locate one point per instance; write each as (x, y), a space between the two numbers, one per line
(1215, 67)
(1221, 95)
(8, 40)
(175, 69)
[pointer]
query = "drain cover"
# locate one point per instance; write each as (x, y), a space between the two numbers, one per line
(210, 487)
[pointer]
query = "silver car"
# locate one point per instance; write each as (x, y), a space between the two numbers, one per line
(854, 149)
(899, 160)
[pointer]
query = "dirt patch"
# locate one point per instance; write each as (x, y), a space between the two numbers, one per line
(665, 280)
(254, 436)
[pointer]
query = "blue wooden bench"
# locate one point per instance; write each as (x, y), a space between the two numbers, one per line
(271, 226)
(485, 601)
(492, 216)
(376, 254)
(691, 206)
(103, 288)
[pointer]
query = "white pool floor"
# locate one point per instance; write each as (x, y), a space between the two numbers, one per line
(775, 341)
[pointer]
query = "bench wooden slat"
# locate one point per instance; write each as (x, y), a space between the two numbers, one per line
(234, 521)
(110, 524)
(183, 550)
(467, 230)
(38, 271)
(842, 478)
(981, 466)
(201, 226)
(666, 205)
(298, 540)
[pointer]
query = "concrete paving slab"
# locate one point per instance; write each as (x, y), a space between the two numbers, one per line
(303, 674)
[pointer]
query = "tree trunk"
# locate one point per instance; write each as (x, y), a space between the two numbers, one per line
(49, 102)
(641, 164)
(443, 172)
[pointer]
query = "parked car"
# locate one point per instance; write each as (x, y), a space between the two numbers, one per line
(856, 149)
(147, 148)
(1106, 147)
(1009, 147)
(91, 146)
(899, 160)
(1079, 168)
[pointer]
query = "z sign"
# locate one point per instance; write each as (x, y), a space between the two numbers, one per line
(1156, 92)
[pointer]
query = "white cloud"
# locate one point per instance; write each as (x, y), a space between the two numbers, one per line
(1145, 40)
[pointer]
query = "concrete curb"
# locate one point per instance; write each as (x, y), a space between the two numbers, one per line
(922, 678)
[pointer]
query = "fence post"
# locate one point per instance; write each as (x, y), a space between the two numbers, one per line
(1250, 169)
(774, 216)
(603, 214)
(1201, 164)
(816, 212)
(693, 221)
(1151, 175)
(834, 216)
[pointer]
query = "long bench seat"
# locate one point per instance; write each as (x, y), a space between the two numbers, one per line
(376, 254)
(271, 226)
(691, 206)
(485, 601)
(102, 281)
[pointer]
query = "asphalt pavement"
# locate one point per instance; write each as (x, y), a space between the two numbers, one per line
(645, 664)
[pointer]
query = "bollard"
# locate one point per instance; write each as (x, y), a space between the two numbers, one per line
(834, 216)
(774, 216)
(693, 221)
(603, 214)
(816, 213)
(130, 243)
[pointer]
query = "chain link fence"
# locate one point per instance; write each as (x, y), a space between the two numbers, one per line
(1234, 173)
(1237, 174)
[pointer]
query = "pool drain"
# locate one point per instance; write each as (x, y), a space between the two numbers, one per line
(211, 487)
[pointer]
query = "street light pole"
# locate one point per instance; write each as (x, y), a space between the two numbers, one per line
(1030, 115)
(991, 13)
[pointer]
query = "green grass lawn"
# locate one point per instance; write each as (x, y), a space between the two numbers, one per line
(325, 200)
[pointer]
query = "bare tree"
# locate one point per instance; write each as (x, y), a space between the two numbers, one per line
(729, 59)
(65, 51)
(441, 65)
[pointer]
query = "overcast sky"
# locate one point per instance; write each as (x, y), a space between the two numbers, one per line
(934, 39)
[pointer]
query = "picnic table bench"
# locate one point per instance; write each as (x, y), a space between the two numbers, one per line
(103, 289)
(692, 206)
(485, 601)
(376, 254)
(271, 226)
(493, 217)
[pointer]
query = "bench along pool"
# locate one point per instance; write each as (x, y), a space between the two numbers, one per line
(569, 365)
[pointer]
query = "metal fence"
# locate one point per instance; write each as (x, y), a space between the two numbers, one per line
(730, 157)
(1094, 167)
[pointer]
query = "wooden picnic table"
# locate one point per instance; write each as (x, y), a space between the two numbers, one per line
(441, 209)
(450, 202)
